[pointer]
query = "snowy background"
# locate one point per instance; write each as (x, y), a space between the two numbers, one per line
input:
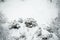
(29, 20)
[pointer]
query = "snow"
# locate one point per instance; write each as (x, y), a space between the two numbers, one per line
(41, 10)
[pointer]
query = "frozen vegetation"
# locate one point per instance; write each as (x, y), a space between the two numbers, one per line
(29, 20)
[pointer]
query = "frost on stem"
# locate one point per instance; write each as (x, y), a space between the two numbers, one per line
(39, 32)
(30, 22)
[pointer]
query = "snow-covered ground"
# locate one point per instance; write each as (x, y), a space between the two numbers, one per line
(43, 11)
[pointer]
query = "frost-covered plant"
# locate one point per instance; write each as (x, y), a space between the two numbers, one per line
(55, 26)
(30, 23)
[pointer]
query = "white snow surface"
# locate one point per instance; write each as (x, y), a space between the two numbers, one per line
(41, 10)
